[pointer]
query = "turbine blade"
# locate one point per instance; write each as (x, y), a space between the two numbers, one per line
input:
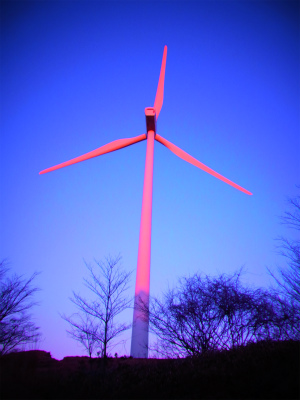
(185, 156)
(107, 148)
(160, 87)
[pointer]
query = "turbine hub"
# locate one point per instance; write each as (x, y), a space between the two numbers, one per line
(150, 119)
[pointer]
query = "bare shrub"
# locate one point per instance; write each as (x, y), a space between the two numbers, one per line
(204, 314)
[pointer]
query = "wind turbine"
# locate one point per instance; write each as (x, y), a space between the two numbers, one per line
(140, 328)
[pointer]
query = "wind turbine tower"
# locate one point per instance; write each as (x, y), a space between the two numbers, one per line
(140, 327)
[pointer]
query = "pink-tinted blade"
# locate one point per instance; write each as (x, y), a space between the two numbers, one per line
(160, 87)
(107, 148)
(185, 156)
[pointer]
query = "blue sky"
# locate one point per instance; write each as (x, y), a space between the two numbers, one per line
(77, 75)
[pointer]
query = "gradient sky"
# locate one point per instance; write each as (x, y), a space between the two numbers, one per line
(77, 75)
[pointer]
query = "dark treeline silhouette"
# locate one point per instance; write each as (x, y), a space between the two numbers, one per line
(263, 370)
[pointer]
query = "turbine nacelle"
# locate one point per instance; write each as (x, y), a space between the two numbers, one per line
(150, 119)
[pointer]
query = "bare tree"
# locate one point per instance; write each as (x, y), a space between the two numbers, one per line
(94, 326)
(16, 326)
(289, 281)
(203, 314)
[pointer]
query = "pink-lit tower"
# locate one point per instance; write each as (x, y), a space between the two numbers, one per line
(140, 326)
